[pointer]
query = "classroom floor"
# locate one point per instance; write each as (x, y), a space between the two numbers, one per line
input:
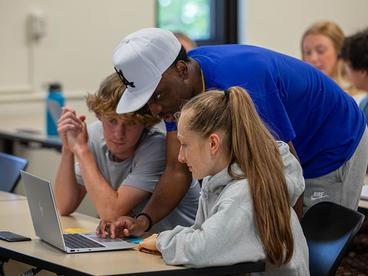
(355, 263)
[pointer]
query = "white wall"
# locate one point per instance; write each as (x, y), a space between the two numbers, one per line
(81, 35)
(77, 48)
(279, 24)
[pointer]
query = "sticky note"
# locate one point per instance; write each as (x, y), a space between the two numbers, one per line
(76, 230)
(134, 239)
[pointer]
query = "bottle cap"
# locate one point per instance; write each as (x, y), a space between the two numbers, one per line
(55, 86)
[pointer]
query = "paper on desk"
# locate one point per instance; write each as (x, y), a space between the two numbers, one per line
(76, 230)
(134, 239)
(364, 194)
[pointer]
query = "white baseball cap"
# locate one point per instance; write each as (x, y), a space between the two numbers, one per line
(140, 59)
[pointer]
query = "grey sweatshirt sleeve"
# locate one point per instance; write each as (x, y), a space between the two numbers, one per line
(229, 229)
(225, 232)
(293, 173)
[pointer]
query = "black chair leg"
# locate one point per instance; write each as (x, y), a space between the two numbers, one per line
(2, 262)
(32, 271)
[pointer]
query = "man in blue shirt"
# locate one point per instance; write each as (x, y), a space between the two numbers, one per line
(301, 105)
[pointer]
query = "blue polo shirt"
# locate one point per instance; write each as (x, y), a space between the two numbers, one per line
(297, 102)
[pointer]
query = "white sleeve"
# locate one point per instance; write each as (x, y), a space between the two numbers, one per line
(229, 230)
(293, 173)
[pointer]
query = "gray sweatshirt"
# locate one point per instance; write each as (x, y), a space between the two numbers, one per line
(225, 231)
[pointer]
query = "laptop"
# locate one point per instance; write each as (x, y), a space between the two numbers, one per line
(46, 221)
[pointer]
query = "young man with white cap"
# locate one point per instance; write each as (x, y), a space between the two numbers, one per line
(301, 106)
(120, 158)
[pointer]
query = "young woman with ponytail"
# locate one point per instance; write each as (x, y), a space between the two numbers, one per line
(249, 183)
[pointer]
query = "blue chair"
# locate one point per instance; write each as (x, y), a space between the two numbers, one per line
(10, 167)
(329, 229)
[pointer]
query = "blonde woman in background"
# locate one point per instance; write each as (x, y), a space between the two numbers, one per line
(321, 45)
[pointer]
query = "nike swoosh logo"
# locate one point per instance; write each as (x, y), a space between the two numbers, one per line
(313, 197)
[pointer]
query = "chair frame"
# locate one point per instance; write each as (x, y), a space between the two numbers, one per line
(329, 228)
(19, 164)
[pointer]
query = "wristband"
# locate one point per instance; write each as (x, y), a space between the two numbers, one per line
(148, 218)
(170, 126)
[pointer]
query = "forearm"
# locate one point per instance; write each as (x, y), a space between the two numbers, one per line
(170, 190)
(217, 233)
(298, 207)
(292, 150)
(68, 193)
(173, 184)
(104, 197)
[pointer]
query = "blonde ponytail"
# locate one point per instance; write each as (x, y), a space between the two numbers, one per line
(250, 144)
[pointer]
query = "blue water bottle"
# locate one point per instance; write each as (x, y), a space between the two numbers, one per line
(54, 103)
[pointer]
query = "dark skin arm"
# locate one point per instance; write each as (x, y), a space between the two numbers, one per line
(166, 196)
(292, 150)
(298, 207)
(173, 184)
(170, 189)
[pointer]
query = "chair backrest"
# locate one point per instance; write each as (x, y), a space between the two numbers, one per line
(10, 167)
(329, 228)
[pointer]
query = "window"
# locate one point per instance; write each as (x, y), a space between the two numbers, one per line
(205, 21)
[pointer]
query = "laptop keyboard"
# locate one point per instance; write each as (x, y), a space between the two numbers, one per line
(79, 241)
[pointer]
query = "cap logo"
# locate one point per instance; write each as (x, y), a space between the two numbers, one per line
(123, 79)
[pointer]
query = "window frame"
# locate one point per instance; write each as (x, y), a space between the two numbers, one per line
(223, 22)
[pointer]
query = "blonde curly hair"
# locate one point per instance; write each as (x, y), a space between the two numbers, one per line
(103, 103)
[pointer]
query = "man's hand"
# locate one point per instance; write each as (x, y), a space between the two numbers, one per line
(122, 227)
(103, 229)
(78, 140)
(71, 129)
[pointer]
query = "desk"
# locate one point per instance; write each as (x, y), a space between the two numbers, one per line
(15, 216)
(4, 196)
(10, 137)
(363, 203)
